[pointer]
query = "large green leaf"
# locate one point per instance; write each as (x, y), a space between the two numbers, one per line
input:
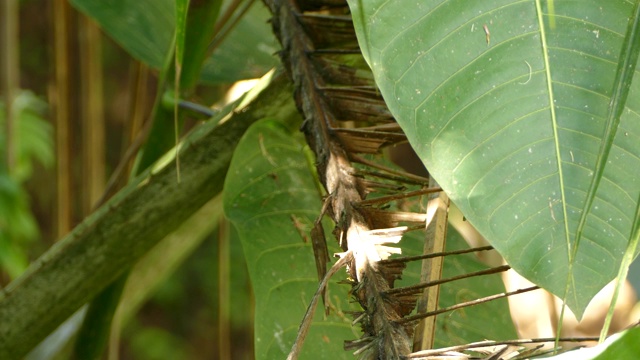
(272, 198)
(510, 121)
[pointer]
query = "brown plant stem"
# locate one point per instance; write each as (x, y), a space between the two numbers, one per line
(486, 343)
(416, 317)
(417, 287)
(436, 254)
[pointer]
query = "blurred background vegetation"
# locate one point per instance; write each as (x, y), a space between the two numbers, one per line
(79, 82)
(75, 96)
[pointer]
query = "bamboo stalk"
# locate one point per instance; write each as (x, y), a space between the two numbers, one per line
(93, 126)
(60, 101)
(10, 58)
(435, 239)
(139, 104)
(224, 290)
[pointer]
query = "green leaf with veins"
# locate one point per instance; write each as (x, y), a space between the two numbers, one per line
(510, 123)
(272, 198)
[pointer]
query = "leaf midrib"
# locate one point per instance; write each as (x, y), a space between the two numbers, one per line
(554, 121)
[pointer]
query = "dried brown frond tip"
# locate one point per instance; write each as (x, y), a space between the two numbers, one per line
(370, 246)
(347, 120)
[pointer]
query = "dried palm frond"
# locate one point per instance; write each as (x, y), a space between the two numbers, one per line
(345, 116)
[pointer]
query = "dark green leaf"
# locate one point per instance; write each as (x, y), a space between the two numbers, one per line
(142, 27)
(509, 121)
(181, 29)
(272, 198)
(627, 346)
(200, 30)
(248, 51)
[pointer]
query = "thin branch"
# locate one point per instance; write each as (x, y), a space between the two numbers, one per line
(402, 179)
(311, 309)
(466, 304)
(389, 170)
(428, 256)
(416, 288)
(389, 198)
(486, 343)
(382, 186)
(201, 110)
(336, 51)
